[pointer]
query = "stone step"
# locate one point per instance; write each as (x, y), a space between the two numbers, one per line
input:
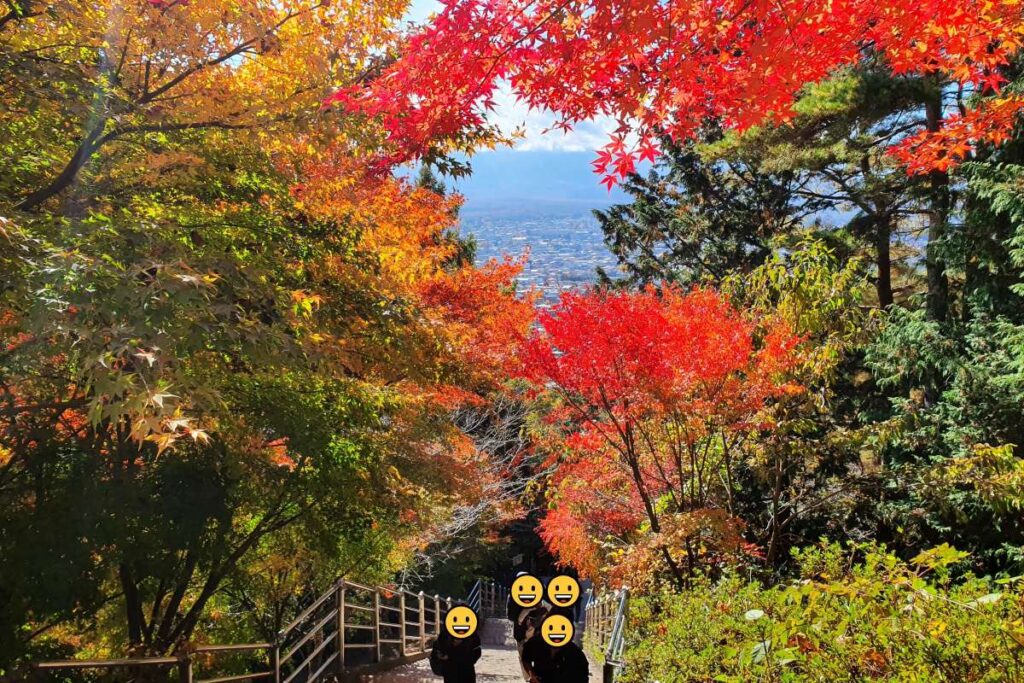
(497, 631)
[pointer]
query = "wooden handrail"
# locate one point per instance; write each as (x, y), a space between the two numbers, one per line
(312, 632)
(238, 677)
(306, 612)
(419, 623)
(232, 648)
(107, 663)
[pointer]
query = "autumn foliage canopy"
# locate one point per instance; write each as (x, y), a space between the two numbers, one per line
(666, 67)
(220, 334)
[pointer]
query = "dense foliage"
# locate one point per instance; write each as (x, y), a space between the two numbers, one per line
(661, 68)
(654, 396)
(232, 358)
(854, 615)
(240, 355)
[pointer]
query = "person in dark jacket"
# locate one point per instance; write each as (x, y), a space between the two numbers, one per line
(567, 612)
(549, 664)
(455, 658)
(518, 615)
(525, 621)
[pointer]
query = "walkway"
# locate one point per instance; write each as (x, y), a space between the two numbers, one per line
(499, 664)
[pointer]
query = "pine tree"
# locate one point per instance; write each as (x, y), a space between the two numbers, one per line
(693, 218)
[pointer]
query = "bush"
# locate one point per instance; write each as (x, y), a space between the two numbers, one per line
(857, 614)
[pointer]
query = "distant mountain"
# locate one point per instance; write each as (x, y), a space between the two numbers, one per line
(509, 183)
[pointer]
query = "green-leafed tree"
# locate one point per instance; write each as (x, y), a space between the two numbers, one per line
(954, 428)
(838, 144)
(694, 217)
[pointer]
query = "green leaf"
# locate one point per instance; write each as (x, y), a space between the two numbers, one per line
(986, 599)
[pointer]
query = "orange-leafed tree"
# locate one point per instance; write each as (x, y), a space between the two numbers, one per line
(228, 338)
(653, 396)
(121, 74)
(473, 314)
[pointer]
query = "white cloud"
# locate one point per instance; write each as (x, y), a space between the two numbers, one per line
(511, 114)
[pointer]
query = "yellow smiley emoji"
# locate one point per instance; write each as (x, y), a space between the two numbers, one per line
(527, 590)
(461, 622)
(563, 591)
(556, 630)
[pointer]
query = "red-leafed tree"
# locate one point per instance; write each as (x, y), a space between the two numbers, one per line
(653, 394)
(660, 67)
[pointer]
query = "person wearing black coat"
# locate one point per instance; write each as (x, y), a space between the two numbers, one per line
(548, 664)
(455, 658)
(518, 615)
(567, 612)
(525, 621)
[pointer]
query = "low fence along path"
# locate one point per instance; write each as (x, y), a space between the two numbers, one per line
(355, 632)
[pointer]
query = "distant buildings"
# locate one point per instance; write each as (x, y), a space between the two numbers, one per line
(565, 251)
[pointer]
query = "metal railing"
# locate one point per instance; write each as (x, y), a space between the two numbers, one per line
(487, 599)
(604, 630)
(351, 626)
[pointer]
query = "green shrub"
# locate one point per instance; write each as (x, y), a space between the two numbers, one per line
(854, 615)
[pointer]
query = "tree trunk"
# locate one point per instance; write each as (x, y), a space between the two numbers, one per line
(133, 608)
(883, 260)
(938, 215)
(776, 524)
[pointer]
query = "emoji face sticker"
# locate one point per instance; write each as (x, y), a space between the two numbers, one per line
(527, 590)
(556, 630)
(563, 591)
(461, 622)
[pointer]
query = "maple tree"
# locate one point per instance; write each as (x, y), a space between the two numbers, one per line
(662, 68)
(654, 395)
(152, 371)
(231, 336)
(250, 66)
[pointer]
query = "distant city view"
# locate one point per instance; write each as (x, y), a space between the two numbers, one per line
(541, 201)
(565, 251)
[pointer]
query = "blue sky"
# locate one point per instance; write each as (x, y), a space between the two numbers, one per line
(511, 115)
(546, 171)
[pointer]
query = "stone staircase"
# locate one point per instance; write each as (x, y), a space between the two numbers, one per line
(497, 631)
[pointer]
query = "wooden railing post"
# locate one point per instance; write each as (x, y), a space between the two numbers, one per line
(401, 621)
(607, 623)
(275, 662)
(341, 626)
(609, 616)
(423, 625)
(437, 615)
(185, 668)
(376, 625)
